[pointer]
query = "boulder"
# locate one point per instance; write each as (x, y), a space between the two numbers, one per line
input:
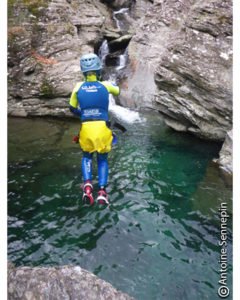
(65, 282)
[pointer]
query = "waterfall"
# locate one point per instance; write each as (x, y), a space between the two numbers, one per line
(121, 113)
(120, 11)
(103, 51)
(122, 61)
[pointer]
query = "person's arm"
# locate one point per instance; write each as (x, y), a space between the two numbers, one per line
(73, 103)
(112, 88)
(75, 111)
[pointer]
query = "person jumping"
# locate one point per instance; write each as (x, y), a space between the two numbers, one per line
(90, 101)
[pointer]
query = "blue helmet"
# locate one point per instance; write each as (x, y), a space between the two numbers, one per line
(90, 62)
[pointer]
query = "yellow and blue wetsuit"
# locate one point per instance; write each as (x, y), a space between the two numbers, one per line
(90, 101)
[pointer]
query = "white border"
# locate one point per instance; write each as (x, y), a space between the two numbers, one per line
(3, 148)
(236, 149)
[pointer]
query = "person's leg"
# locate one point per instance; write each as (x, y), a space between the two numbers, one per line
(87, 177)
(87, 166)
(102, 160)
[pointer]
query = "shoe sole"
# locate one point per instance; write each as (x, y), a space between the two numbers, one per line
(88, 200)
(102, 201)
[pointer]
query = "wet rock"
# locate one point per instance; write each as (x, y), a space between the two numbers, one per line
(117, 4)
(120, 43)
(112, 59)
(112, 34)
(65, 282)
(225, 155)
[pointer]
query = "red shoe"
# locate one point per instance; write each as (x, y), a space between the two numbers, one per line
(87, 193)
(102, 197)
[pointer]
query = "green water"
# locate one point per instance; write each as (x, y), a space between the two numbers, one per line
(157, 240)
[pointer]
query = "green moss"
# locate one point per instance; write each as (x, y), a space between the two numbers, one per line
(34, 5)
(11, 3)
(18, 9)
(69, 29)
(10, 8)
(224, 19)
(46, 89)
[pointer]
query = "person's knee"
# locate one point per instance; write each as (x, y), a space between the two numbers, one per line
(87, 155)
(101, 157)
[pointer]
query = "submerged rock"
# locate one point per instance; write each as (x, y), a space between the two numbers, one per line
(65, 282)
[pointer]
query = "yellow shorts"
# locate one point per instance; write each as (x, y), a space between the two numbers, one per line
(95, 136)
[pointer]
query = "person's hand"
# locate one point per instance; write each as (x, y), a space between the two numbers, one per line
(75, 139)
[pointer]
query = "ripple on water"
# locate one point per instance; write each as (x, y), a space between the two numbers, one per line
(158, 238)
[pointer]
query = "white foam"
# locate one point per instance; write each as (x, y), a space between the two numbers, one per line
(121, 11)
(123, 113)
(122, 61)
(103, 51)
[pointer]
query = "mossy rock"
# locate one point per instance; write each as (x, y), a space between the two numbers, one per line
(47, 89)
(34, 6)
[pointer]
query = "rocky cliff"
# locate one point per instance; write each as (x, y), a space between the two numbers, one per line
(45, 41)
(179, 54)
(181, 64)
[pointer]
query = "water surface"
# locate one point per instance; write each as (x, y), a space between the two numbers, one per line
(157, 240)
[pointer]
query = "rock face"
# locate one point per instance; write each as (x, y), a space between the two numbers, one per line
(181, 65)
(179, 54)
(45, 42)
(225, 155)
(118, 4)
(66, 282)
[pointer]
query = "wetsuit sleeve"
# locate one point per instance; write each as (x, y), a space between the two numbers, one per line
(112, 88)
(73, 103)
(75, 111)
(73, 99)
